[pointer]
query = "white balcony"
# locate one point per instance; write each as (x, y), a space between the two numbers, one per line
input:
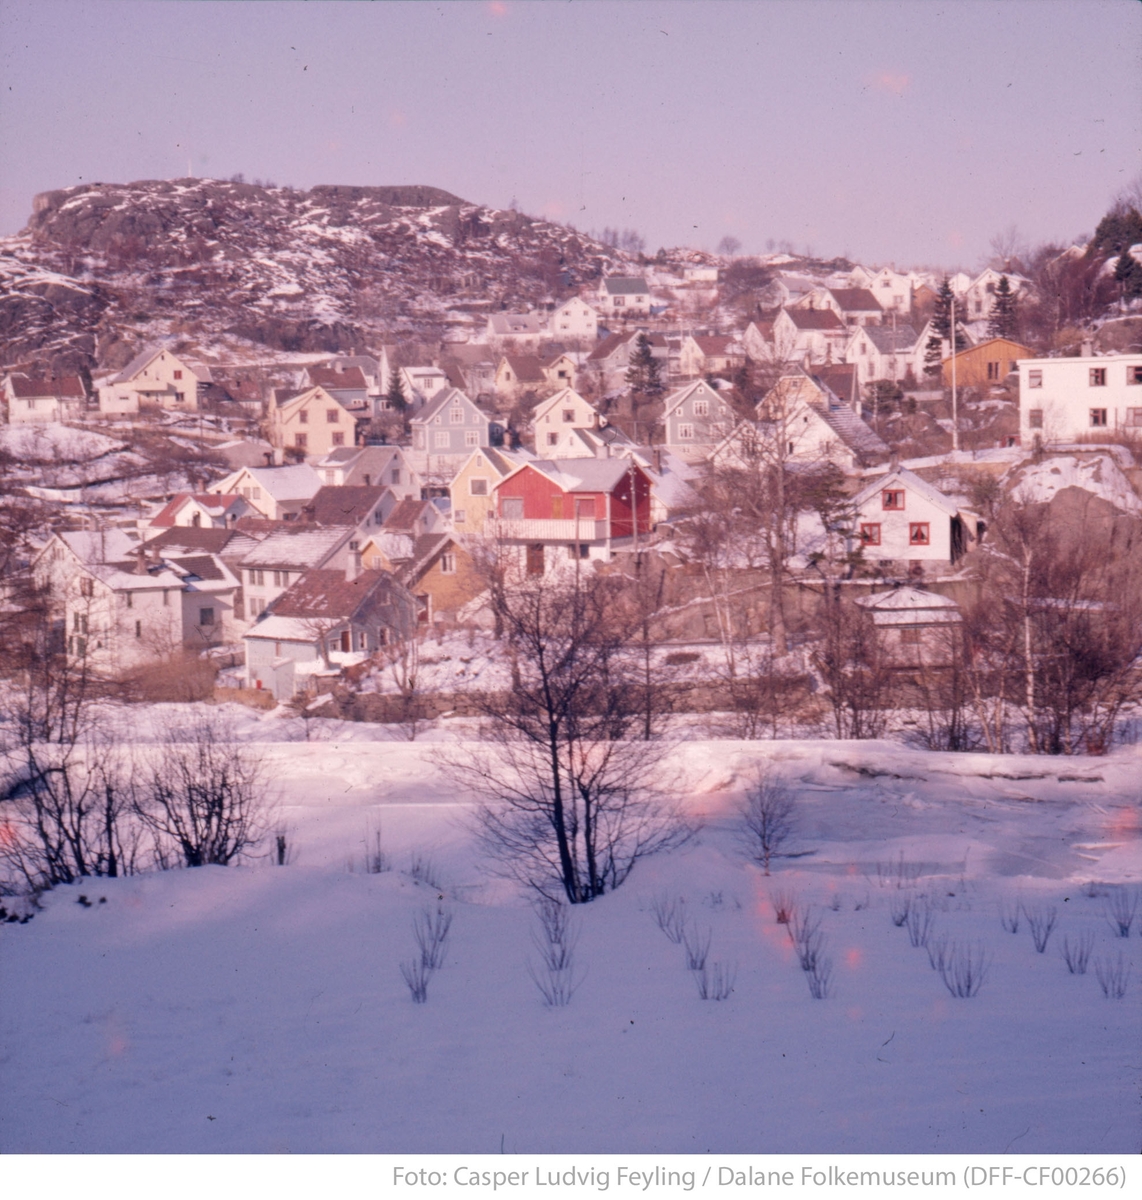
(585, 529)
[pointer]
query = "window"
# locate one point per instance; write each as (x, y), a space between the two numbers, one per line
(553, 439)
(1098, 418)
(993, 370)
(1134, 417)
(1035, 418)
(79, 623)
(354, 545)
(166, 598)
(578, 550)
(1134, 375)
(535, 559)
(456, 416)
(685, 433)
(303, 417)
(255, 493)
(206, 616)
(919, 534)
(346, 642)
(300, 440)
(701, 408)
(395, 477)
(362, 640)
(138, 629)
(477, 487)
(870, 533)
(87, 587)
(333, 415)
(281, 578)
(511, 508)
(441, 439)
(568, 416)
(459, 517)
(257, 607)
(448, 564)
(178, 374)
(619, 301)
(339, 438)
(471, 438)
(893, 499)
(1098, 377)
(910, 637)
(129, 599)
(79, 646)
(330, 476)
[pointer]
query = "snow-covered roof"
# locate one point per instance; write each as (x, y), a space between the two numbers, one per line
(99, 546)
(912, 482)
(302, 546)
(298, 482)
(909, 606)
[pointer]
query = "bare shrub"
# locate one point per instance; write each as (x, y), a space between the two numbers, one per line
(1009, 915)
(423, 870)
(716, 980)
(898, 874)
(696, 946)
(1042, 922)
(416, 976)
(937, 948)
(900, 908)
(1077, 956)
(819, 976)
(206, 793)
(768, 818)
(921, 918)
(808, 940)
(1113, 976)
(670, 916)
(1121, 908)
(784, 903)
(965, 968)
(555, 940)
(556, 986)
(284, 850)
(430, 929)
(377, 862)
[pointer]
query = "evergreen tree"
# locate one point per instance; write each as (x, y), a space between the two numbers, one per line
(1128, 273)
(942, 330)
(1004, 320)
(644, 374)
(395, 397)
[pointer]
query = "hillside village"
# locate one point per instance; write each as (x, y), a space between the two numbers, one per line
(833, 492)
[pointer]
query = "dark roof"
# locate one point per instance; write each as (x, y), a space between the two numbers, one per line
(404, 516)
(211, 500)
(205, 566)
(887, 340)
(840, 379)
(715, 344)
(853, 431)
(815, 318)
(856, 300)
(330, 378)
(324, 594)
(527, 368)
(625, 285)
(424, 551)
(63, 387)
(347, 505)
(607, 346)
(192, 537)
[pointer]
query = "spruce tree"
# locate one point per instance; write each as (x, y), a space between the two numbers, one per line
(644, 374)
(942, 331)
(395, 397)
(1004, 319)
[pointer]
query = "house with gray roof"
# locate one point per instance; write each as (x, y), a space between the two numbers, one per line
(156, 378)
(696, 418)
(621, 296)
(450, 425)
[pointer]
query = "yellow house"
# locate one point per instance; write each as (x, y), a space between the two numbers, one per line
(988, 363)
(311, 424)
(472, 486)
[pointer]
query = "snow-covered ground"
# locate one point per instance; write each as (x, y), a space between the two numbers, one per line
(261, 1008)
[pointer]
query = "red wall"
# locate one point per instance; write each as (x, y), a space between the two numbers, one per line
(539, 492)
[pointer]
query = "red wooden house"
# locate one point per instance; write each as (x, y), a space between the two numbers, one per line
(577, 507)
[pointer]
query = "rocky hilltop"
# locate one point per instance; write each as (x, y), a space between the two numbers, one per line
(103, 267)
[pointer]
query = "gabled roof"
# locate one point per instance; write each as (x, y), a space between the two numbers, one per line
(815, 318)
(297, 482)
(585, 474)
(625, 285)
(527, 368)
(348, 505)
(207, 538)
(424, 550)
(503, 462)
(324, 595)
(892, 341)
(405, 514)
(211, 501)
(912, 482)
(906, 606)
(316, 392)
(676, 398)
(99, 545)
(565, 395)
(852, 430)
(713, 344)
(298, 546)
(330, 377)
(856, 300)
(146, 357)
(518, 324)
(607, 346)
(443, 399)
(61, 387)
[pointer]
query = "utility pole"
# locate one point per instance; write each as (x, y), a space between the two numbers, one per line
(955, 408)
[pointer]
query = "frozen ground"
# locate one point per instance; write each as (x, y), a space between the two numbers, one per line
(262, 1008)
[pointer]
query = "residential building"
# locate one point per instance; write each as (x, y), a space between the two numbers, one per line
(915, 628)
(809, 335)
(472, 490)
(575, 323)
(367, 466)
(451, 426)
(894, 351)
(30, 399)
(156, 378)
(285, 553)
(206, 509)
(346, 384)
(516, 333)
(985, 365)
(470, 367)
(1079, 399)
(905, 521)
(312, 423)
(278, 493)
(854, 306)
(622, 296)
(423, 384)
(696, 418)
(557, 416)
(708, 354)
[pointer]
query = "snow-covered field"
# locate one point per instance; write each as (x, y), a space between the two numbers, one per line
(262, 1008)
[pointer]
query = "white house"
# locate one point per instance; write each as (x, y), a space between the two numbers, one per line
(574, 323)
(282, 557)
(914, 627)
(39, 400)
(813, 335)
(893, 351)
(1067, 399)
(892, 289)
(422, 384)
(516, 332)
(901, 518)
(557, 417)
(623, 296)
(156, 378)
(979, 295)
(207, 510)
(276, 492)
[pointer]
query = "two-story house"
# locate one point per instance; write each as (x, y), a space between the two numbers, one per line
(287, 552)
(1079, 398)
(554, 419)
(902, 519)
(696, 418)
(574, 322)
(472, 490)
(622, 296)
(451, 426)
(206, 510)
(156, 378)
(367, 466)
(277, 493)
(312, 423)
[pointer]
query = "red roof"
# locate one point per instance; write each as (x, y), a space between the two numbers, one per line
(64, 387)
(330, 377)
(815, 318)
(206, 499)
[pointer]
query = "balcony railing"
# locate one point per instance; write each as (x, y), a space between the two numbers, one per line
(523, 529)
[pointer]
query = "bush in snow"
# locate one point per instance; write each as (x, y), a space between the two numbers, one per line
(670, 916)
(819, 976)
(937, 948)
(921, 918)
(556, 940)
(901, 907)
(1113, 976)
(1121, 909)
(964, 969)
(1078, 955)
(416, 975)
(1042, 922)
(715, 980)
(808, 940)
(696, 945)
(430, 929)
(1009, 915)
(784, 902)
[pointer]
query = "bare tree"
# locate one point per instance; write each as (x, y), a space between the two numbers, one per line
(852, 664)
(768, 818)
(569, 803)
(206, 793)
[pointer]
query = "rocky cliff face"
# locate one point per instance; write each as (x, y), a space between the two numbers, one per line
(102, 268)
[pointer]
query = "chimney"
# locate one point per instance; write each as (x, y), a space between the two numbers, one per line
(1087, 349)
(353, 566)
(141, 561)
(894, 461)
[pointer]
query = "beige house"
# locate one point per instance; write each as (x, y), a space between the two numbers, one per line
(38, 400)
(472, 487)
(156, 378)
(312, 423)
(277, 493)
(575, 323)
